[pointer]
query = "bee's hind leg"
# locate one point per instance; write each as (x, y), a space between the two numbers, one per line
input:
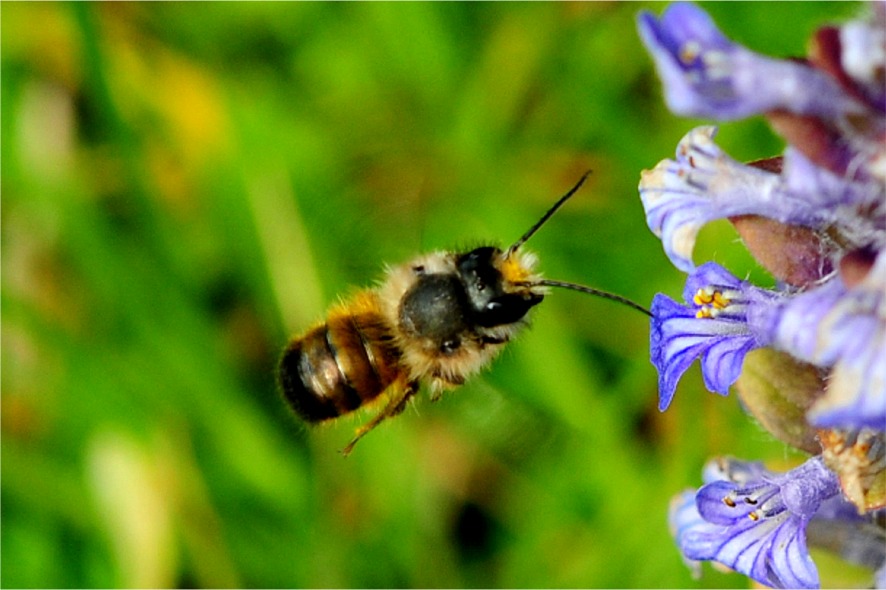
(399, 396)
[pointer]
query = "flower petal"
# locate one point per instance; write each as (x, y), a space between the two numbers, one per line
(721, 364)
(724, 320)
(791, 564)
(844, 328)
(677, 340)
(683, 517)
(703, 184)
(711, 502)
(734, 470)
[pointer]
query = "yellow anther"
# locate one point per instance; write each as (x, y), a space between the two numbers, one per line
(704, 296)
(710, 297)
(703, 313)
(754, 516)
(720, 302)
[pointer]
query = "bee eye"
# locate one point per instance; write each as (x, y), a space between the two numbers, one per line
(450, 346)
(480, 286)
(506, 309)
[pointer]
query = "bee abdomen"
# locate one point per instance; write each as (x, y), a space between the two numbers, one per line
(338, 366)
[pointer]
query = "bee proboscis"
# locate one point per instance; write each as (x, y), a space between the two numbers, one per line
(435, 320)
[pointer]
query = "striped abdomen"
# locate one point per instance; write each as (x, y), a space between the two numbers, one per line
(338, 366)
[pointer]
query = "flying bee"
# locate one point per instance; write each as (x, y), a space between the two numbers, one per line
(435, 320)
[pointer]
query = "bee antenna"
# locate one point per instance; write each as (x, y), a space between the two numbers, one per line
(547, 215)
(592, 291)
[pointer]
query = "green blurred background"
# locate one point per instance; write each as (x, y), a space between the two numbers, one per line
(185, 186)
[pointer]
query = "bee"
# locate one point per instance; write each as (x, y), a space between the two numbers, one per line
(435, 320)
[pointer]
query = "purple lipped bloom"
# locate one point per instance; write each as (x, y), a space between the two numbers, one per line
(844, 328)
(831, 326)
(754, 521)
(703, 184)
(707, 75)
(724, 318)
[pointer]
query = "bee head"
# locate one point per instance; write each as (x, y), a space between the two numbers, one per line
(517, 266)
(442, 306)
(490, 278)
(489, 288)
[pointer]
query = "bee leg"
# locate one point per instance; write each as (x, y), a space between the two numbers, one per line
(441, 384)
(395, 409)
(396, 404)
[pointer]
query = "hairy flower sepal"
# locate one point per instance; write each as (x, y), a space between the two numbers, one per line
(724, 318)
(797, 256)
(756, 523)
(778, 390)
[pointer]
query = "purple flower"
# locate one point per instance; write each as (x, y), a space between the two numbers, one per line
(703, 184)
(754, 521)
(844, 328)
(723, 319)
(707, 75)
